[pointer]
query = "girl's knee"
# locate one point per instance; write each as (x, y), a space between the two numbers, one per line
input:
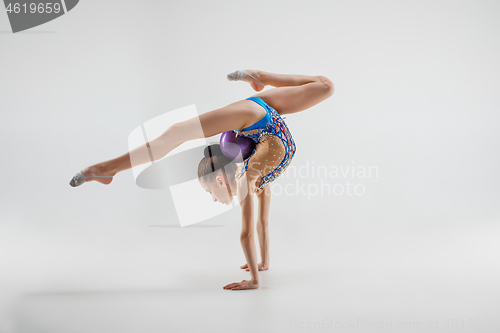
(330, 88)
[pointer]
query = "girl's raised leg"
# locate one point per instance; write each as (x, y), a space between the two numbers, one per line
(281, 80)
(148, 152)
(233, 116)
(293, 93)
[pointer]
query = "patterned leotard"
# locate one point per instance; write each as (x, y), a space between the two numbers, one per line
(275, 146)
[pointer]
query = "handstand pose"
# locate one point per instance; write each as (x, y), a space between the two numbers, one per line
(257, 117)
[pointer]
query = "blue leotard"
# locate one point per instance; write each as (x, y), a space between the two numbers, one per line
(275, 146)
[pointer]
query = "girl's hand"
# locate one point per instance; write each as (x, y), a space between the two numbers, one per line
(261, 266)
(244, 284)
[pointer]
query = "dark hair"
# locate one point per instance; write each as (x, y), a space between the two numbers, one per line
(214, 160)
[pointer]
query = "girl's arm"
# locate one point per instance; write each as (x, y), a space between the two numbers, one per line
(263, 234)
(264, 199)
(246, 189)
(247, 233)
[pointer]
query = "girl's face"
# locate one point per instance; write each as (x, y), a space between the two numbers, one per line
(218, 190)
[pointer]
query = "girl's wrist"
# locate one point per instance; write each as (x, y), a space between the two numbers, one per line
(255, 278)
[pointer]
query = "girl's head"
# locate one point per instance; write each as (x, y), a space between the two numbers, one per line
(216, 174)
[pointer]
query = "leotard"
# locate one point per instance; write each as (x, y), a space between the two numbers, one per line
(274, 148)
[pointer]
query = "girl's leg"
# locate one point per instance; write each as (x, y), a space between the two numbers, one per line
(281, 80)
(233, 116)
(294, 93)
(148, 152)
(142, 154)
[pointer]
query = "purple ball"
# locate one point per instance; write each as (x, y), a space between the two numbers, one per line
(236, 147)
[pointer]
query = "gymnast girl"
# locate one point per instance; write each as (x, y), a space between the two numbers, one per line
(258, 117)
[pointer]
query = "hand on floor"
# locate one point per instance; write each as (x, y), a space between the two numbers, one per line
(244, 284)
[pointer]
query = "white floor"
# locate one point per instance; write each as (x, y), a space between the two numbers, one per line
(440, 281)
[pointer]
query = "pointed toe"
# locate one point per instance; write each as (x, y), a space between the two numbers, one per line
(77, 180)
(238, 75)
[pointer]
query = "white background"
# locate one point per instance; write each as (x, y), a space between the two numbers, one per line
(416, 95)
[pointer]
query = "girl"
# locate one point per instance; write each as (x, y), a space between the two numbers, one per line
(257, 117)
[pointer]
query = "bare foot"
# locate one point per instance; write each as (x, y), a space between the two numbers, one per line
(257, 86)
(97, 170)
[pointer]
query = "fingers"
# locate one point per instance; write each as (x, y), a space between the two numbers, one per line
(245, 285)
(232, 285)
(240, 286)
(229, 286)
(237, 285)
